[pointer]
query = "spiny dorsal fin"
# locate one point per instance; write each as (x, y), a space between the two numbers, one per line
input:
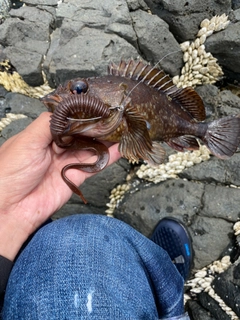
(187, 98)
(140, 71)
(190, 101)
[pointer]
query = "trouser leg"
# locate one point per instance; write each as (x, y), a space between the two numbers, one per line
(92, 267)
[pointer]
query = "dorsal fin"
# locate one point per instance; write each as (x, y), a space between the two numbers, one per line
(190, 101)
(140, 71)
(187, 98)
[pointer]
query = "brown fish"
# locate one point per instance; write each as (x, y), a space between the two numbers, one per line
(136, 105)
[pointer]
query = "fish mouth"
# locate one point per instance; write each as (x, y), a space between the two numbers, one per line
(51, 101)
(96, 127)
(81, 115)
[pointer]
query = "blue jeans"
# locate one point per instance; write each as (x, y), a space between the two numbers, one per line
(92, 267)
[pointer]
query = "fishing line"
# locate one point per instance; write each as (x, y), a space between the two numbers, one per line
(83, 120)
(143, 79)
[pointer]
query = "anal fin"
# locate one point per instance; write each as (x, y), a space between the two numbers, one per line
(183, 142)
(157, 154)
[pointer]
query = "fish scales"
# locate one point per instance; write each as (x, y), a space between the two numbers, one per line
(137, 105)
(165, 117)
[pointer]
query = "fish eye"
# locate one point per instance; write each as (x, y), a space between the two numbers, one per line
(78, 87)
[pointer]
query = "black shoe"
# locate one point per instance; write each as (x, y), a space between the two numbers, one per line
(173, 237)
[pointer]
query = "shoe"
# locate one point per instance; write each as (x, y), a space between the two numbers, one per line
(173, 237)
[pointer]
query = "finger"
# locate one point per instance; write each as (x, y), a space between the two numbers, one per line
(57, 149)
(114, 153)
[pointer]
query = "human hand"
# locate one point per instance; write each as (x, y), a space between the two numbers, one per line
(31, 186)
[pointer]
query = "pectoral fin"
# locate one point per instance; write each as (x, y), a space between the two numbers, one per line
(136, 143)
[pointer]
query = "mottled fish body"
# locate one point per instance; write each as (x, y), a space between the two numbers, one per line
(137, 105)
(163, 116)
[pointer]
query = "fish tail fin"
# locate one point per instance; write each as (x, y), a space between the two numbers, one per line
(223, 136)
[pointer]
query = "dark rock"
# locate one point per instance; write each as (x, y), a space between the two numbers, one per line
(229, 42)
(184, 17)
(76, 208)
(26, 42)
(197, 312)
(40, 18)
(89, 37)
(15, 127)
(157, 42)
(4, 8)
(143, 207)
(227, 286)
(88, 54)
(235, 4)
(134, 5)
(215, 170)
(210, 238)
(42, 2)
(18, 103)
(209, 94)
(31, 73)
(96, 190)
(236, 15)
(2, 140)
(2, 108)
(210, 304)
(3, 93)
(228, 103)
(2, 57)
(215, 204)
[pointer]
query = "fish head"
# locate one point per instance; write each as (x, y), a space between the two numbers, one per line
(52, 99)
(110, 90)
(87, 107)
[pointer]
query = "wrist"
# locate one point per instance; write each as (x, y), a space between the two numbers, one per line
(12, 237)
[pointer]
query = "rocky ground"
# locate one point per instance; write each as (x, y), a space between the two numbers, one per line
(66, 40)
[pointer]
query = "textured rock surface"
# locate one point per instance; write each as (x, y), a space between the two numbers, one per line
(197, 311)
(25, 36)
(230, 45)
(69, 40)
(5, 6)
(211, 304)
(195, 203)
(184, 17)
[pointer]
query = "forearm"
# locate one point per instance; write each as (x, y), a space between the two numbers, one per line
(12, 237)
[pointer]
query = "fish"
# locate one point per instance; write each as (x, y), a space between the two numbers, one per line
(138, 106)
